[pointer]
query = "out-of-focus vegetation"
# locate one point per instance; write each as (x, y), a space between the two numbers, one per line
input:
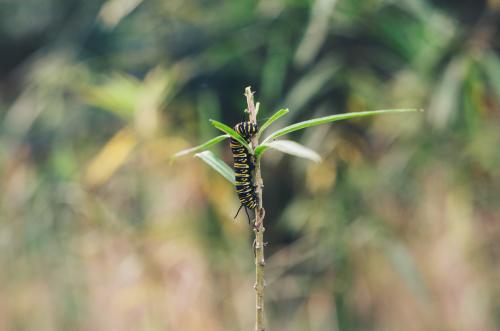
(397, 229)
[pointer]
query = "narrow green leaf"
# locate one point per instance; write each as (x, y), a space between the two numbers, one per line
(201, 147)
(328, 119)
(491, 68)
(271, 119)
(260, 149)
(218, 165)
(404, 264)
(224, 128)
(289, 147)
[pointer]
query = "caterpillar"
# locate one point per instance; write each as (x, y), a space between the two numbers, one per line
(243, 166)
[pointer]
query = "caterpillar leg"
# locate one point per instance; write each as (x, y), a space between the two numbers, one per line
(239, 211)
(246, 212)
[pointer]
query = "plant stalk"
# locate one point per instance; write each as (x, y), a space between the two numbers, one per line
(258, 225)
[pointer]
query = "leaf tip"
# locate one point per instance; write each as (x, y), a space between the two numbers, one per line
(177, 155)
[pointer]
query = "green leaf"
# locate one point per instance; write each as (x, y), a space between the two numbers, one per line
(328, 119)
(491, 68)
(217, 164)
(271, 119)
(260, 149)
(224, 128)
(289, 147)
(201, 147)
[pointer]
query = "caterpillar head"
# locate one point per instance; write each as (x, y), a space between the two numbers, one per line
(246, 129)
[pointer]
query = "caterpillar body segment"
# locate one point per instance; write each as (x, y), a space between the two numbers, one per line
(243, 166)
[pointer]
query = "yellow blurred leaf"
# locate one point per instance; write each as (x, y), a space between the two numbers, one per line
(321, 177)
(153, 91)
(494, 4)
(110, 157)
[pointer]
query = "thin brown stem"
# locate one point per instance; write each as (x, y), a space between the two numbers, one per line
(259, 224)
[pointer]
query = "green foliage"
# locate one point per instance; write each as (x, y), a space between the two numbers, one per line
(218, 165)
(284, 146)
(202, 147)
(271, 120)
(328, 119)
(224, 128)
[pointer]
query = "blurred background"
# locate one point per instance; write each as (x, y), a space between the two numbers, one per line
(397, 229)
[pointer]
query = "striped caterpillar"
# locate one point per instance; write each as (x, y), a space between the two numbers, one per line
(243, 167)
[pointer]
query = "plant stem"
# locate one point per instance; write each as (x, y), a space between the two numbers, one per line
(258, 225)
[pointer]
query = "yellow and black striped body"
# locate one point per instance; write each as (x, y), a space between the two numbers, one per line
(244, 164)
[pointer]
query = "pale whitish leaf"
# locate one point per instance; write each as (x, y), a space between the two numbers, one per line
(443, 106)
(201, 147)
(328, 119)
(316, 32)
(218, 165)
(113, 11)
(289, 147)
(406, 267)
(224, 128)
(271, 119)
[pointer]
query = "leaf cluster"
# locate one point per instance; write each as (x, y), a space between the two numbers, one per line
(270, 142)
